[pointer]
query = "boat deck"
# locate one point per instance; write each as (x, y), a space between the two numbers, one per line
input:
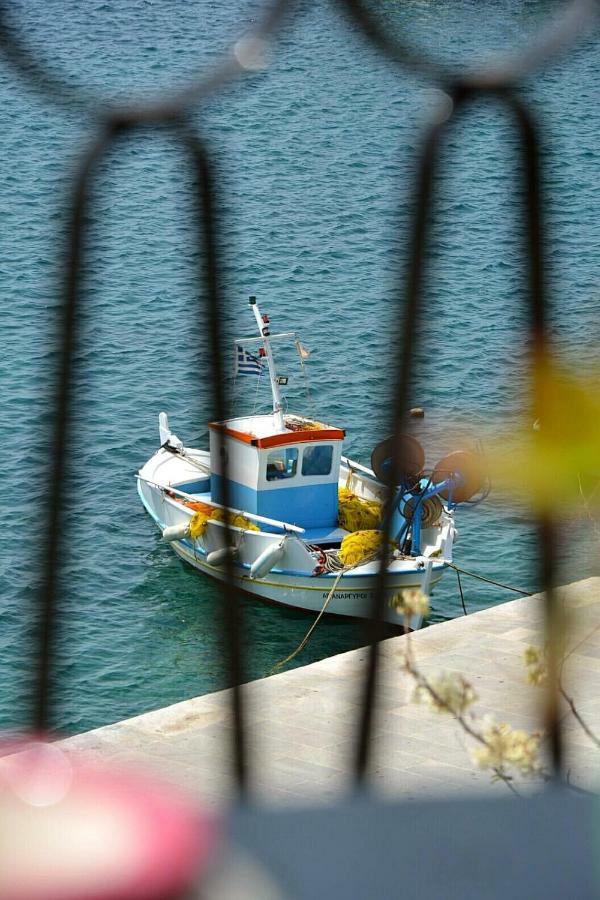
(324, 535)
(333, 536)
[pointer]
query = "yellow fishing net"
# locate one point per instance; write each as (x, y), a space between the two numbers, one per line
(198, 524)
(200, 518)
(356, 514)
(235, 519)
(359, 546)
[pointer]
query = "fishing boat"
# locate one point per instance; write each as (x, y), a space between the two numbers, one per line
(274, 500)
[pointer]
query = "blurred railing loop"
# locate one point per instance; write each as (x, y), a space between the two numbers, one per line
(497, 83)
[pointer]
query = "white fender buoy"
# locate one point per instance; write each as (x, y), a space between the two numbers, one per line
(176, 532)
(426, 583)
(218, 557)
(166, 435)
(267, 559)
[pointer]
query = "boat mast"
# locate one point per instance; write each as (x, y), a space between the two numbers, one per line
(263, 329)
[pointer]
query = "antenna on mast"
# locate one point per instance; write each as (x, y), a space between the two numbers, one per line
(262, 322)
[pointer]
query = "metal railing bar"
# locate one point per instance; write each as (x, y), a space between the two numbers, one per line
(406, 341)
(63, 400)
(556, 37)
(208, 232)
(555, 624)
(167, 106)
(63, 414)
(533, 226)
(461, 94)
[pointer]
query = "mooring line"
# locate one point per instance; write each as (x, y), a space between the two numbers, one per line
(307, 636)
(489, 580)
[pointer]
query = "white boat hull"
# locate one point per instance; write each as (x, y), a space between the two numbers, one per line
(353, 596)
(292, 581)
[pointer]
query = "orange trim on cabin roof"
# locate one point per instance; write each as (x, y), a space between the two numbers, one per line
(244, 436)
(301, 437)
(277, 440)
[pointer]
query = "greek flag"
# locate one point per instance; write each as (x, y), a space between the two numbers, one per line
(246, 363)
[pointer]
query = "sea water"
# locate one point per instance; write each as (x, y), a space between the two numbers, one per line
(315, 167)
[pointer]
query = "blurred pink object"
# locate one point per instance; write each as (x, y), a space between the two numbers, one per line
(72, 829)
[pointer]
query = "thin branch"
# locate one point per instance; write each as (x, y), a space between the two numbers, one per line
(586, 505)
(578, 717)
(508, 782)
(412, 669)
(577, 646)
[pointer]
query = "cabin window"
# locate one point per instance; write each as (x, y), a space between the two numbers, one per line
(317, 460)
(282, 463)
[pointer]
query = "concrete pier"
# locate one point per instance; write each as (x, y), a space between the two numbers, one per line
(303, 723)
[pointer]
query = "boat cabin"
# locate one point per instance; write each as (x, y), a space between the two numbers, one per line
(288, 474)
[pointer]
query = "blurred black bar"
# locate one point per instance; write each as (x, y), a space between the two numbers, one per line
(410, 313)
(68, 342)
(208, 232)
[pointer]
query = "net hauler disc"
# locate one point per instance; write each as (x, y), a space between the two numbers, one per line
(411, 459)
(466, 467)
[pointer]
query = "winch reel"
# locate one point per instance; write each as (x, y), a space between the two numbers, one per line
(457, 478)
(463, 469)
(408, 465)
(431, 510)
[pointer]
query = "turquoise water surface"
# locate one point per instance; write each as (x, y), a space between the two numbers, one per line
(315, 157)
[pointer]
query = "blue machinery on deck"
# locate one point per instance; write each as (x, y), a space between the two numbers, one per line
(457, 478)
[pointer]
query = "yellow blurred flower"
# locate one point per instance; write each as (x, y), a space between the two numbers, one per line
(551, 461)
(410, 602)
(537, 669)
(507, 747)
(448, 692)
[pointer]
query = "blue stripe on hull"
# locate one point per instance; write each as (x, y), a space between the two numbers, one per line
(310, 506)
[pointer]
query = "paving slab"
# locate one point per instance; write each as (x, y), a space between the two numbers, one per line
(304, 722)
